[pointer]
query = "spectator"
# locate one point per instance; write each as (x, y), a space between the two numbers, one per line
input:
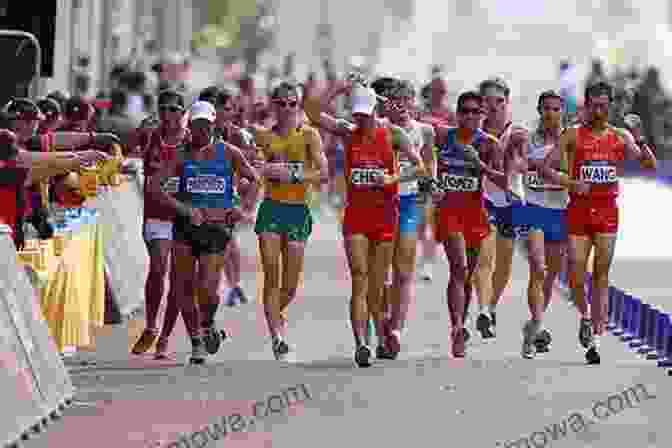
(118, 121)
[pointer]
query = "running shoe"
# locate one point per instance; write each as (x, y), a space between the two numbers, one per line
(593, 356)
(493, 319)
(459, 342)
(383, 352)
(198, 351)
(235, 297)
(543, 341)
(483, 325)
(530, 334)
(586, 332)
(213, 339)
(392, 342)
(145, 341)
(280, 349)
(363, 356)
(161, 349)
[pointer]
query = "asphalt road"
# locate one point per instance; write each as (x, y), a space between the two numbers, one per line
(425, 398)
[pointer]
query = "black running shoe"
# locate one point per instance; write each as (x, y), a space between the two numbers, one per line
(213, 339)
(493, 319)
(363, 356)
(483, 324)
(593, 356)
(586, 333)
(281, 349)
(543, 341)
(198, 351)
(467, 335)
(383, 353)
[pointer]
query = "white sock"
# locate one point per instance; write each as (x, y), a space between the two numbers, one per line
(482, 309)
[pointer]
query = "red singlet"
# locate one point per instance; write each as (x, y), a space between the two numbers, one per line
(371, 210)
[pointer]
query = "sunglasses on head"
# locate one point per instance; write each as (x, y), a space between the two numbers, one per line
(171, 108)
(283, 103)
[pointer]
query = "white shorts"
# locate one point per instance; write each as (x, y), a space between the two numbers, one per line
(156, 229)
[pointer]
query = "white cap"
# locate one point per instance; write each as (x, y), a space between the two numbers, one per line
(202, 109)
(363, 101)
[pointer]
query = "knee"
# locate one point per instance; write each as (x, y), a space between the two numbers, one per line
(458, 272)
(601, 276)
(359, 274)
(289, 292)
(537, 270)
(272, 276)
(403, 277)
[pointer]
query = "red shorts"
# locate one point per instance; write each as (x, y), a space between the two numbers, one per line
(472, 222)
(376, 224)
(585, 219)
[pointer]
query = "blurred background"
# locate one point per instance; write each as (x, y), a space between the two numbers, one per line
(99, 48)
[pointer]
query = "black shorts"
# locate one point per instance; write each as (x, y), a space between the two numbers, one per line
(206, 239)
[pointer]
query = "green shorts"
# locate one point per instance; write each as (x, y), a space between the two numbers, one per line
(293, 220)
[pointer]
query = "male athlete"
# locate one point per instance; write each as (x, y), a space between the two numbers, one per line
(591, 158)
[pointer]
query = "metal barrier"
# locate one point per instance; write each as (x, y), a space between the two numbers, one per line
(34, 383)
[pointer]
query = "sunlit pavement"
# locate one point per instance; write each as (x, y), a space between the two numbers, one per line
(426, 398)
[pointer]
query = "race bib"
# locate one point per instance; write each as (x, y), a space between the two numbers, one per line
(296, 168)
(365, 177)
(598, 174)
(406, 168)
(171, 185)
(461, 184)
(536, 182)
(206, 184)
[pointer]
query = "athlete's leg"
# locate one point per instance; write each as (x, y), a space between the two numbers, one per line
(232, 271)
(605, 246)
(292, 264)
(159, 259)
(357, 252)
(404, 279)
(270, 248)
(501, 275)
(455, 248)
(185, 286)
(380, 259)
(555, 253)
(430, 247)
(578, 251)
(535, 295)
(482, 281)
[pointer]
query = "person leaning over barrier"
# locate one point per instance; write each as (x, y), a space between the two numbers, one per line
(20, 168)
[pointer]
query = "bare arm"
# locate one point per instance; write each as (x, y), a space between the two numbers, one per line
(406, 148)
(427, 150)
(314, 107)
(318, 173)
(247, 172)
(561, 155)
(491, 167)
(633, 151)
(155, 188)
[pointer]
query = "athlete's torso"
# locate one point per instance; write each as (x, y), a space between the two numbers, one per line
(598, 161)
(207, 183)
(459, 176)
(494, 193)
(415, 135)
(365, 158)
(538, 191)
(293, 150)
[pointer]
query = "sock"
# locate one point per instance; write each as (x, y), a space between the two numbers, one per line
(482, 309)
(210, 312)
(493, 308)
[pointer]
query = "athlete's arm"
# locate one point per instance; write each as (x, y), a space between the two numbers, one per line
(63, 140)
(405, 147)
(155, 189)
(247, 173)
(515, 154)
(318, 172)
(493, 160)
(633, 151)
(314, 107)
(427, 151)
(44, 165)
(562, 154)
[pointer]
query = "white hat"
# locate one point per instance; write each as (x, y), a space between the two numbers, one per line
(363, 101)
(202, 109)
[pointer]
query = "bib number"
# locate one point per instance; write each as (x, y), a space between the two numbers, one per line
(206, 184)
(460, 184)
(406, 168)
(295, 168)
(366, 177)
(599, 174)
(171, 185)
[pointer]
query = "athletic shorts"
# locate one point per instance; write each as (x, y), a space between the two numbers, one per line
(506, 220)
(409, 214)
(377, 224)
(206, 239)
(551, 221)
(292, 220)
(155, 229)
(471, 222)
(587, 220)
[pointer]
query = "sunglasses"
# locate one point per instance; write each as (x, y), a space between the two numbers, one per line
(289, 104)
(466, 111)
(171, 108)
(226, 108)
